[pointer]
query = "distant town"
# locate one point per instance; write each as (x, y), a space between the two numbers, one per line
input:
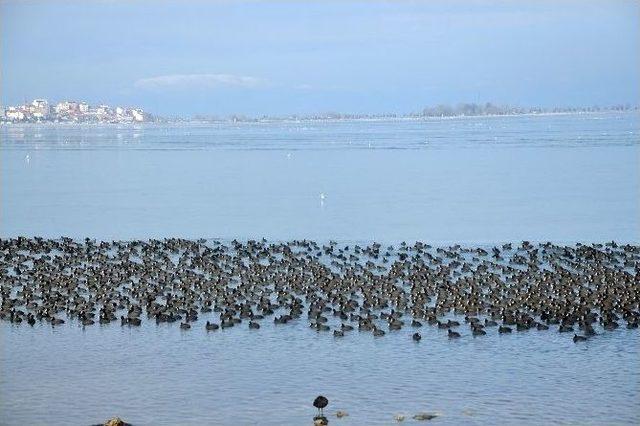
(39, 110)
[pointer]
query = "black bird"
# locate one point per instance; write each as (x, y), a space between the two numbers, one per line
(577, 338)
(320, 402)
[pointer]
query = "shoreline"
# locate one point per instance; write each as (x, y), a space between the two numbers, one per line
(401, 118)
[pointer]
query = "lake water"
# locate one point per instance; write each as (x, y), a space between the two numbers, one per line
(561, 178)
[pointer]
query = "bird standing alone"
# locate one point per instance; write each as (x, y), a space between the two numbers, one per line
(320, 402)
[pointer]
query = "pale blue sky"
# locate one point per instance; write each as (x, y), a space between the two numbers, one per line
(259, 57)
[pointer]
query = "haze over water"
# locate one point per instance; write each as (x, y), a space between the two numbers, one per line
(562, 178)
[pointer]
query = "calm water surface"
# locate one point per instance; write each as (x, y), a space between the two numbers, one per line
(560, 178)
(563, 178)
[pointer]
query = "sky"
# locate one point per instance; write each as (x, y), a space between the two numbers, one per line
(296, 57)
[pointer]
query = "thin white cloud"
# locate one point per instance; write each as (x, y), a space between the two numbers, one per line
(200, 81)
(303, 87)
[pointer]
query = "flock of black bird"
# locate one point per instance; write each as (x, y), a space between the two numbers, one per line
(581, 290)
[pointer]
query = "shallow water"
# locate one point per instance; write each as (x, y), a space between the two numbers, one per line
(562, 178)
(164, 375)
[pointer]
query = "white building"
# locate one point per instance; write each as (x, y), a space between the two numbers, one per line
(83, 107)
(137, 114)
(39, 108)
(40, 104)
(13, 113)
(61, 107)
(103, 110)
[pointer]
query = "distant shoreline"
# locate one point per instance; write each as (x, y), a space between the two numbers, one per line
(309, 119)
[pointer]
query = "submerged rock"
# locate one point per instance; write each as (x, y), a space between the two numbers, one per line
(340, 414)
(320, 421)
(468, 412)
(116, 421)
(399, 417)
(425, 416)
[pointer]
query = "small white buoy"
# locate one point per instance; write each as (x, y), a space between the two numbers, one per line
(27, 158)
(322, 196)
